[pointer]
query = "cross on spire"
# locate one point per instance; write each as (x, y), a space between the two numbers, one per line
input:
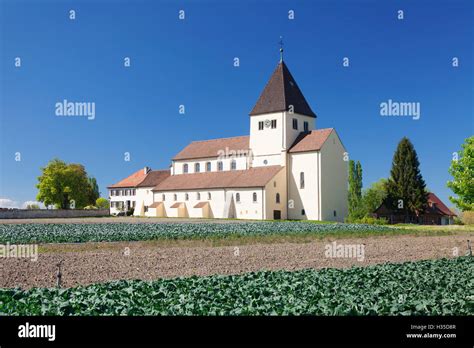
(281, 48)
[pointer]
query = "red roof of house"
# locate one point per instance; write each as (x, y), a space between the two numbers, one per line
(311, 141)
(439, 205)
(140, 179)
(213, 148)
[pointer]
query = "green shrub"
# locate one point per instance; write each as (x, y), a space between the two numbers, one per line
(370, 221)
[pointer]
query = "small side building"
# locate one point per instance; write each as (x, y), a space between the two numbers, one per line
(436, 213)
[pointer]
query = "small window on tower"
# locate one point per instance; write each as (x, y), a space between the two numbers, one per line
(185, 168)
(260, 125)
(295, 124)
(208, 166)
(220, 166)
(233, 165)
(274, 123)
(306, 126)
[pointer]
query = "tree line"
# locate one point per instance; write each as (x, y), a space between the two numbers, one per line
(405, 190)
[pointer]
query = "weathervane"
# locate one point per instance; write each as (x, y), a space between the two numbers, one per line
(281, 48)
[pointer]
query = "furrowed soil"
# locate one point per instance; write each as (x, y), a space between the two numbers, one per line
(88, 263)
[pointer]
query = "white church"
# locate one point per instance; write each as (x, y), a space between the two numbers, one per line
(285, 169)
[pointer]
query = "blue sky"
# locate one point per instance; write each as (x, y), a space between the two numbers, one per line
(190, 62)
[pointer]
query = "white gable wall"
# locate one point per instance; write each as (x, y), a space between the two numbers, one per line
(334, 175)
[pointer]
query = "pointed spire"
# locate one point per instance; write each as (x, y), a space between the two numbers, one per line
(281, 49)
(281, 93)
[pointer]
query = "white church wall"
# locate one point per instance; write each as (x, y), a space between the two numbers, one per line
(240, 161)
(290, 133)
(268, 141)
(334, 175)
(245, 209)
(144, 197)
(303, 198)
(274, 186)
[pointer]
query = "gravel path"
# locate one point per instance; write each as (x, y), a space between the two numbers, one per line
(144, 260)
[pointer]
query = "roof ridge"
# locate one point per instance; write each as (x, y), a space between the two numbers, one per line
(237, 136)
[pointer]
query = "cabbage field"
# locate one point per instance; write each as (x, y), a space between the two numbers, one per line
(101, 232)
(437, 287)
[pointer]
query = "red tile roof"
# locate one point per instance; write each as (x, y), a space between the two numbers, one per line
(155, 204)
(131, 181)
(253, 177)
(439, 205)
(177, 205)
(140, 179)
(280, 93)
(154, 177)
(212, 148)
(201, 204)
(311, 141)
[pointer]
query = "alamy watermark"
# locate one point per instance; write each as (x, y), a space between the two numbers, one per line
(335, 250)
(405, 109)
(69, 109)
(25, 251)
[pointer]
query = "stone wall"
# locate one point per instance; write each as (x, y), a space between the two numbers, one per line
(51, 213)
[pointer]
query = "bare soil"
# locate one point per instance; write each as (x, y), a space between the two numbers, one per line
(88, 263)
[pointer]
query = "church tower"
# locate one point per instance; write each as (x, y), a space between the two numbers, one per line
(279, 116)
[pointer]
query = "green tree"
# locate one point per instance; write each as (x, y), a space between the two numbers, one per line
(356, 210)
(63, 185)
(406, 189)
(462, 170)
(102, 203)
(94, 193)
(374, 196)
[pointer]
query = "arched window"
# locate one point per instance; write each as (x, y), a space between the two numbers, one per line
(209, 196)
(197, 168)
(237, 197)
(277, 198)
(175, 197)
(302, 180)
(233, 165)
(185, 168)
(254, 196)
(186, 197)
(208, 166)
(220, 166)
(163, 197)
(198, 196)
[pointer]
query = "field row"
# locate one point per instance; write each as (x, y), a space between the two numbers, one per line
(110, 232)
(440, 287)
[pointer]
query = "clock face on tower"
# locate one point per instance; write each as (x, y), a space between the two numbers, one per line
(267, 123)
